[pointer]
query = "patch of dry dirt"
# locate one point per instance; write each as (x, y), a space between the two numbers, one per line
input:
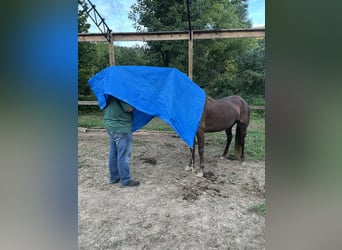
(171, 209)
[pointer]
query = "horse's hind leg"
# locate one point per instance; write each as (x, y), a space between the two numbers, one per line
(243, 136)
(229, 140)
(200, 139)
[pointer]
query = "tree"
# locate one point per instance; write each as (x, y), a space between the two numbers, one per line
(83, 26)
(123, 56)
(94, 56)
(130, 56)
(251, 74)
(86, 52)
(159, 15)
(216, 62)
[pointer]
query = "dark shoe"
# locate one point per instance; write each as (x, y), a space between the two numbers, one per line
(113, 182)
(131, 183)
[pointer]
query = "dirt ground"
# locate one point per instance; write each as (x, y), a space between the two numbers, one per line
(172, 208)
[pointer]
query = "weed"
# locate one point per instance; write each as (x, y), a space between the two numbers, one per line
(259, 209)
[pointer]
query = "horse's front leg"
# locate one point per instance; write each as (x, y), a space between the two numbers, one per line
(191, 165)
(200, 139)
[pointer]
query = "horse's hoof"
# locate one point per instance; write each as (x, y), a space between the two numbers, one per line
(187, 168)
(200, 174)
(230, 157)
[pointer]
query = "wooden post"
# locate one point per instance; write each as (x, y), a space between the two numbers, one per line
(111, 51)
(190, 54)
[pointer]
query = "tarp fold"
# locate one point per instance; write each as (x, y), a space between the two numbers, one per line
(153, 91)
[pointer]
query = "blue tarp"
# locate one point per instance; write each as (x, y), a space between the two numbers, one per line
(153, 91)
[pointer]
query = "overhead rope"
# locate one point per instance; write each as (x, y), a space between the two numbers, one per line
(189, 18)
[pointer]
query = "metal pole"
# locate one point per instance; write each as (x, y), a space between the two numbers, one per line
(191, 42)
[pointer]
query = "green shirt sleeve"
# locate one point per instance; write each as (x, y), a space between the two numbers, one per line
(125, 106)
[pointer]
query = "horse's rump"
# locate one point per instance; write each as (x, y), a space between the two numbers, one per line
(220, 114)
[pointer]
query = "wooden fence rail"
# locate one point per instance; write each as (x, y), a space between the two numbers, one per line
(89, 103)
(173, 35)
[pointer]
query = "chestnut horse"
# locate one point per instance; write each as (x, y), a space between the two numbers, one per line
(218, 115)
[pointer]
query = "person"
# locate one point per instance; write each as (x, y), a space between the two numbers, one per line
(118, 121)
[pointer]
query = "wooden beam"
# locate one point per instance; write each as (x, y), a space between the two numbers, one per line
(173, 35)
(235, 33)
(190, 55)
(252, 107)
(151, 36)
(111, 52)
(87, 103)
(91, 37)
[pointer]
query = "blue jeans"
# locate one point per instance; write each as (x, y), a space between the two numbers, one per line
(119, 155)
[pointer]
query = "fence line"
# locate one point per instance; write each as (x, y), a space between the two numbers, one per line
(94, 103)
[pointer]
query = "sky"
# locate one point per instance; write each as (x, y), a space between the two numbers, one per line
(256, 12)
(115, 13)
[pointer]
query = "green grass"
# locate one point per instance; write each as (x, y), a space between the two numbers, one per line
(157, 124)
(259, 209)
(95, 120)
(254, 143)
(90, 120)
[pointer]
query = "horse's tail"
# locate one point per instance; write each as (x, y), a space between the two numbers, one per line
(241, 131)
(247, 112)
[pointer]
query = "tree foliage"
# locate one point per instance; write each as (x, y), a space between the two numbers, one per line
(220, 66)
(94, 56)
(86, 52)
(251, 74)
